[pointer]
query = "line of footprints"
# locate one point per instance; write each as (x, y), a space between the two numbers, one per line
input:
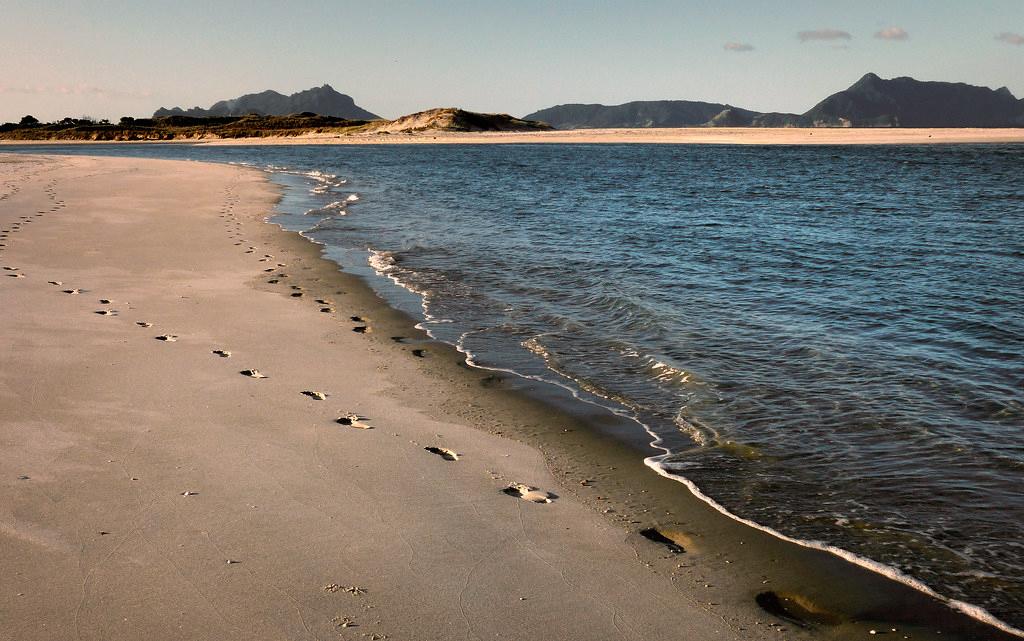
(6, 233)
(347, 419)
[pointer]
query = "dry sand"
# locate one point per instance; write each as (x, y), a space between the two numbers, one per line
(152, 486)
(689, 135)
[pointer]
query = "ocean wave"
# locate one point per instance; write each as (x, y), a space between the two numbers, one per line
(973, 611)
(336, 208)
(324, 182)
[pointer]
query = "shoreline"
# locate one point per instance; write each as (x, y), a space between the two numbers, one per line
(563, 398)
(725, 564)
(682, 135)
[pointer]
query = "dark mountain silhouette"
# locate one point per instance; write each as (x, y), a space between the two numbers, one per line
(870, 102)
(646, 113)
(323, 101)
(905, 102)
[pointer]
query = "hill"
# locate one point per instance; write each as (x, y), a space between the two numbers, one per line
(452, 119)
(324, 101)
(649, 113)
(870, 102)
(906, 102)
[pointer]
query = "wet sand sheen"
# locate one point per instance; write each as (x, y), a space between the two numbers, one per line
(158, 469)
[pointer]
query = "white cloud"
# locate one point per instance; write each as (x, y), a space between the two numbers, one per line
(823, 34)
(1011, 38)
(892, 33)
(738, 46)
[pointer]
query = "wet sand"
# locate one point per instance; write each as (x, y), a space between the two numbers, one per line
(209, 432)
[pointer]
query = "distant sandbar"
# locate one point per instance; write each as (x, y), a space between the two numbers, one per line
(694, 135)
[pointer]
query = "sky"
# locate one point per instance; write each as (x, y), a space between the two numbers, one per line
(107, 59)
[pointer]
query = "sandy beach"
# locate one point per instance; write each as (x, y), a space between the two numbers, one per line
(210, 432)
(687, 135)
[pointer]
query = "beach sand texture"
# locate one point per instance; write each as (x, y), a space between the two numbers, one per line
(209, 432)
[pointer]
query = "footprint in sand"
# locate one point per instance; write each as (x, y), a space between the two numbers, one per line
(11, 269)
(317, 396)
(443, 452)
(252, 373)
(167, 338)
(419, 353)
(16, 275)
(273, 281)
(55, 282)
(105, 301)
(354, 420)
(357, 319)
(143, 324)
(327, 310)
(671, 539)
(361, 329)
(106, 312)
(529, 493)
(72, 291)
(223, 353)
(297, 294)
(801, 610)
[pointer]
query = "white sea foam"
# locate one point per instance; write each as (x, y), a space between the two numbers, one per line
(665, 372)
(973, 611)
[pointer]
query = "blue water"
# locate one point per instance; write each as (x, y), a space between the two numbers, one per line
(827, 341)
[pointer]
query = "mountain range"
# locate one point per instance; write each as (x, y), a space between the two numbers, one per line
(323, 101)
(870, 102)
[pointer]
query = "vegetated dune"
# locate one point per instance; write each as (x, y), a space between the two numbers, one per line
(453, 119)
(255, 126)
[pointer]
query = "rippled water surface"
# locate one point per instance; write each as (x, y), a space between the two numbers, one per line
(828, 341)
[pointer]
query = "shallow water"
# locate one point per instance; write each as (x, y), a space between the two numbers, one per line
(827, 341)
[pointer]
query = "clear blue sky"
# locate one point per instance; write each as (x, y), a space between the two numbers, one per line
(108, 59)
